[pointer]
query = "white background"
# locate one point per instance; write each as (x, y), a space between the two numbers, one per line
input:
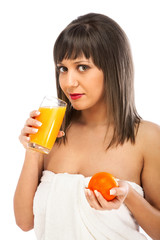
(28, 30)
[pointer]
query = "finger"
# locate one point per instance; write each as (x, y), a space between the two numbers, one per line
(102, 201)
(24, 140)
(107, 205)
(33, 122)
(92, 199)
(61, 134)
(119, 191)
(113, 191)
(34, 113)
(29, 130)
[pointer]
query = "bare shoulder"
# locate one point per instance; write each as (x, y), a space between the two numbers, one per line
(149, 129)
(148, 137)
(149, 134)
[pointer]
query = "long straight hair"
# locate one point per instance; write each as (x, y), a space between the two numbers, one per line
(99, 37)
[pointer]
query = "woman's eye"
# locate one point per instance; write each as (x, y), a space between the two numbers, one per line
(61, 69)
(82, 68)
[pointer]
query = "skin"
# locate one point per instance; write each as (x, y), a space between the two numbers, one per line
(139, 163)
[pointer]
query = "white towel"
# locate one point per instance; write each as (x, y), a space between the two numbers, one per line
(62, 212)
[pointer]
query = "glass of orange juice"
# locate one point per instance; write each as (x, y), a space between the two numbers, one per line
(52, 111)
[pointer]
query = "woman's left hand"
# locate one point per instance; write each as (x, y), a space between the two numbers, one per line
(98, 202)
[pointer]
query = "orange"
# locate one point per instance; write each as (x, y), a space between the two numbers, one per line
(103, 182)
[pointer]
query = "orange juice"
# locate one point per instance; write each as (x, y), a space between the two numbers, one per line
(51, 119)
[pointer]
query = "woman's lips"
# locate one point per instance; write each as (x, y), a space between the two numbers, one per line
(75, 96)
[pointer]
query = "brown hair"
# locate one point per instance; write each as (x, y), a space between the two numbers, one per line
(101, 38)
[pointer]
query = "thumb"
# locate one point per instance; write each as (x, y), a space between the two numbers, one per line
(113, 191)
(122, 190)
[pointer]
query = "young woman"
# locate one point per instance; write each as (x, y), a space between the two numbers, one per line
(103, 133)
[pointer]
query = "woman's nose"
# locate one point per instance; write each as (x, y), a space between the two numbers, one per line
(72, 79)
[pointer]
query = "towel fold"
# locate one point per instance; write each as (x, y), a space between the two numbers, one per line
(62, 212)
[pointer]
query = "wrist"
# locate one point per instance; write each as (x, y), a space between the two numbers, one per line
(33, 158)
(32, 153)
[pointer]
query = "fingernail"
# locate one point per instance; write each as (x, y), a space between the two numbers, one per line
(112, 192)
(35, 130)
(39, 124)
(37, 112)
(96, 193)
(28, 139)
(88, 192)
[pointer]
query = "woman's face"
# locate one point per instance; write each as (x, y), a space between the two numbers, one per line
(82, 82)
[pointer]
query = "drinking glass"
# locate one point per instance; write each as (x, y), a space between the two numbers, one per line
(52, 111)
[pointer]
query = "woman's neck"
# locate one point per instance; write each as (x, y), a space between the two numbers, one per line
(94, 117)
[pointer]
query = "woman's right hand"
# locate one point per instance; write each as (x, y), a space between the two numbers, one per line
(31, 127)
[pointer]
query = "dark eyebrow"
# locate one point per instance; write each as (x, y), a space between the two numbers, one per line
(82, 61)
(59, 63)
